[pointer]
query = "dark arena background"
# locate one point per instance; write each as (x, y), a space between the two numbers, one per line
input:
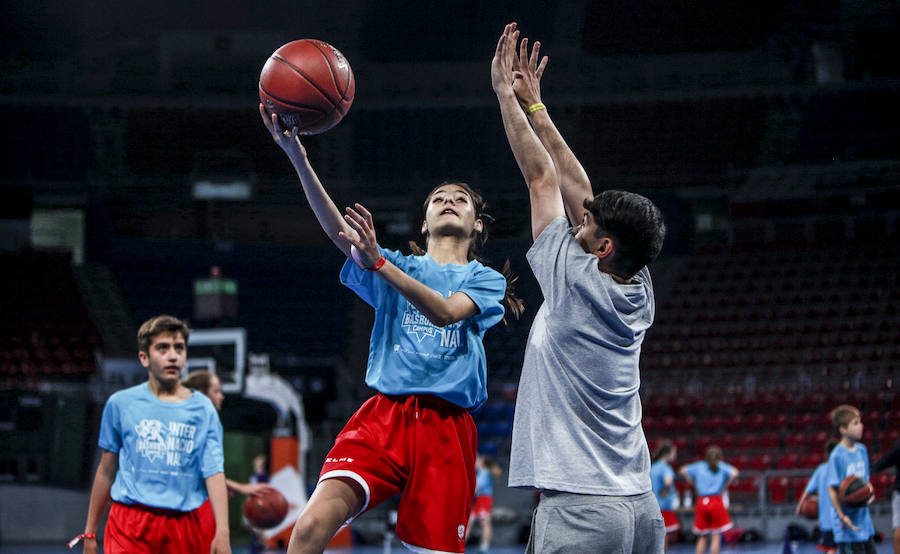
(137, 179)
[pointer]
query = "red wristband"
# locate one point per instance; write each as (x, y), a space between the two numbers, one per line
(377, 264)
(76, 540)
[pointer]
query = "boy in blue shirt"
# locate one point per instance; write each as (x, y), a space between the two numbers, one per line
(161, 459)
(853, 529)
(817, 486)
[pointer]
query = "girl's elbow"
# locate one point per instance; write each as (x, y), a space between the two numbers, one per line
(442, 320)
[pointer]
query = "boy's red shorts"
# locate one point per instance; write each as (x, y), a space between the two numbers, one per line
(418, 445)
(484, 503)
(711, 516)
(671, 520)
(136, 529)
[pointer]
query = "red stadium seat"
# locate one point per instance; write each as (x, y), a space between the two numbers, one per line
(788, 461)
(778, 489)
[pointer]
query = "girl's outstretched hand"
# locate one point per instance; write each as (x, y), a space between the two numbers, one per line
(287, 140)
(365, 245)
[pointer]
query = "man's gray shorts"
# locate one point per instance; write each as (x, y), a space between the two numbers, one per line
(569, 523)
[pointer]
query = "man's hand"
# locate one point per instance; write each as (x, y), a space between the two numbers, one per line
(504, 57)
(528, 72)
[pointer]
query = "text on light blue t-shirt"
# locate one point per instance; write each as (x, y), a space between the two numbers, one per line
(707, 482)
(166, 449)
(410, 355)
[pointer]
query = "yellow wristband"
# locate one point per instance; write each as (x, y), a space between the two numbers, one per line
(535, 107)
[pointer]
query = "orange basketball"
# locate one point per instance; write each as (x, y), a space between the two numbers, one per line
(309, 84)
(809, 508)
(266, 510)
(854, 492)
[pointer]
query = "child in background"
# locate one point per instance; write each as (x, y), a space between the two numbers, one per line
(710, 478)
(486, 470)
(161, 459)
(853, 528)
(662, 478)
(817, 486)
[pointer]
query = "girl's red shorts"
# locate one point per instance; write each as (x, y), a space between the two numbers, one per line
(711, 516)
(418, 445)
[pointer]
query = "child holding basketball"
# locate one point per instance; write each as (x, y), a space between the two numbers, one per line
(426, 362)
(852, 527)
(662, 477)
(577, 431)
(210, 386)
(818, 487)
(161, 459)
(710, 478)
(486, 469)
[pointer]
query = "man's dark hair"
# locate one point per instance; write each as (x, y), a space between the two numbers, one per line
(635, 225)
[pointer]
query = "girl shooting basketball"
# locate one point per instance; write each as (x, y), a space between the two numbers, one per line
(426, 360)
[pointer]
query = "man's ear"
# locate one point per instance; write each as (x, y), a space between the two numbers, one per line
(144, 358)
(479, 226)
(424, 227)
(605, 249)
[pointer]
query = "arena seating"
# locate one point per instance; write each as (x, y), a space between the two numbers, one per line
(47, 333)
(278, 289)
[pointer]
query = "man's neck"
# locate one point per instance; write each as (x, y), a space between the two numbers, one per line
(848, 443)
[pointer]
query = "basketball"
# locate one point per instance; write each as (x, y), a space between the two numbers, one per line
(266, 510)
(810, 507)
(854, 492)
(309, 84)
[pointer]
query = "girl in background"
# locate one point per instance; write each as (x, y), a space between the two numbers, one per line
(710, 478)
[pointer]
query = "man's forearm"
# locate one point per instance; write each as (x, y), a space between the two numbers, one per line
(533, 159)
(574, 183)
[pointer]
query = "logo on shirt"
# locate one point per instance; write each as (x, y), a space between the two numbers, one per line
(157, 441)
(417, 325)
(857, 468)
(461, 531)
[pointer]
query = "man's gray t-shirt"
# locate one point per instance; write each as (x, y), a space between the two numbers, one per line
(577, 426)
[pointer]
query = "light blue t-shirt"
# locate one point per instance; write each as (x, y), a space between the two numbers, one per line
(707, 482)
(817, 486)
(843, 463)
(166, 449)
(410, 355)
(484, 483)
(658, 473)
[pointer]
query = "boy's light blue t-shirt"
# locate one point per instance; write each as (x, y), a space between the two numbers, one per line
(843, 463)
(707, 482)
(818, 487)
(410, 355)
(166, 449)
(659, 470)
